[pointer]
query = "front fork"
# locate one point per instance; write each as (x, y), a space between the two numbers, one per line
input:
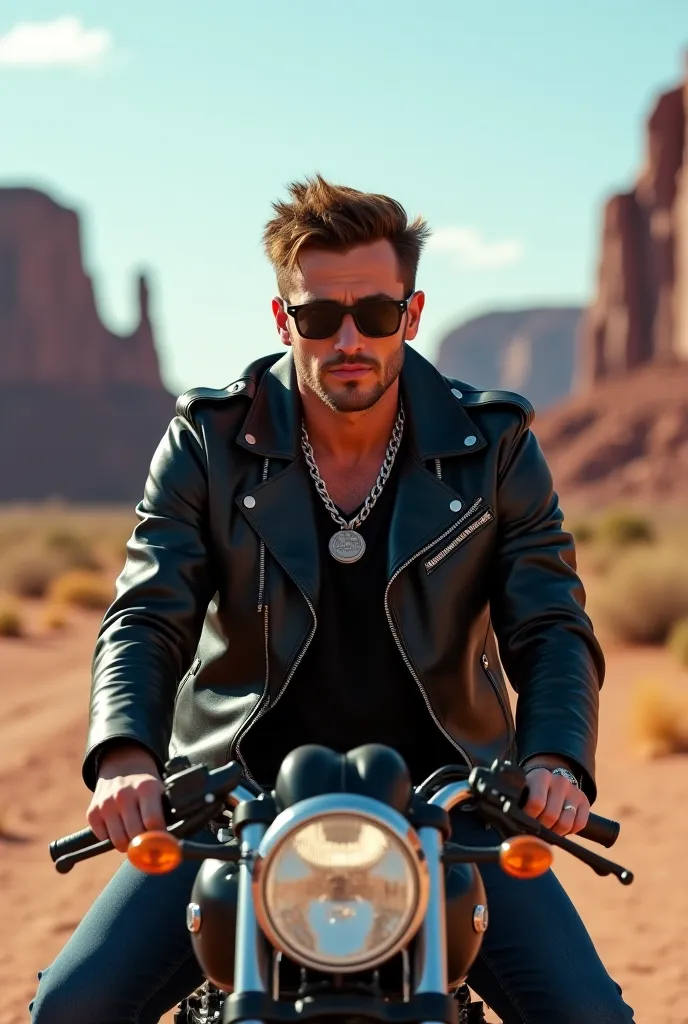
(251, 956)
(430, 966)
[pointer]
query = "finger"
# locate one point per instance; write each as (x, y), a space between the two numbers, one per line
(564, 824)
(556, 798)
(150, 804)
(582, 815)
(96, 824)
(128, 808)
(115, 830)
(538, 787)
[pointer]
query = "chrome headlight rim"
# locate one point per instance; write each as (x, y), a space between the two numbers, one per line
(317, 808)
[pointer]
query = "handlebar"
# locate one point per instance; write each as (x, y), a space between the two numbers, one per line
(604, 831)
(196, 795)
(76, 842)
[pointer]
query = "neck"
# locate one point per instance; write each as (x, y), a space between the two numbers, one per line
(350, 436)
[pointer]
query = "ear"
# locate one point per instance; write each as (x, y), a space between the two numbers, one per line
(413, 314)
(281, 319)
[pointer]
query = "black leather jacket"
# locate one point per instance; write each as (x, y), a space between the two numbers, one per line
(218, 599)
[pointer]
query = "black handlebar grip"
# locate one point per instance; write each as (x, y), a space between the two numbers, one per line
(601, 830)
(74, 843)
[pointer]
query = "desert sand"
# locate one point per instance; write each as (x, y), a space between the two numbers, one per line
(640, 931)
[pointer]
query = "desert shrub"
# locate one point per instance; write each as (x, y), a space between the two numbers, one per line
(583, 531)
(28, 568)
(678, 641)
(75, 550)
(11, 624)
(82, 589)
(644, 595)
(659, 718)
(27, 571)
(621, 528)
(55, 618)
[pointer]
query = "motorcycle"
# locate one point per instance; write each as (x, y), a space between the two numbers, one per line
(330, 896)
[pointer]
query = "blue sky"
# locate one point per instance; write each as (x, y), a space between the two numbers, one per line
(172, 126)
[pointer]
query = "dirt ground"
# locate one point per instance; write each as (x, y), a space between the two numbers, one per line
(640, 931)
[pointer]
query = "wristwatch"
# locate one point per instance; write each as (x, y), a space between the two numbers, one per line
(564, 772)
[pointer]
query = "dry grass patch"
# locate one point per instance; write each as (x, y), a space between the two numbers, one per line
(82, 589)
(644, 595)
(55, 618)
(11, 622)
(678, 642)
(28, 569)
(659, 718)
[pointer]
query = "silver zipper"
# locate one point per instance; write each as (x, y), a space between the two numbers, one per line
(263, 707)
(261, 569)
(462, 519)
(255, 714)
(400, 646)
(486, 517)
(493, 682)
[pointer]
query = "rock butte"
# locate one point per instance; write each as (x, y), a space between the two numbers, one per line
(81, 409)
(623, 435)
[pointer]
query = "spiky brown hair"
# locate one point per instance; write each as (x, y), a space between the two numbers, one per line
(326, 216)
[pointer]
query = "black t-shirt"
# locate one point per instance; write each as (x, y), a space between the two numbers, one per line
(352, 686)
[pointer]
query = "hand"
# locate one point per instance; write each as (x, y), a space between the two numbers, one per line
(128, 796)
(556, 802)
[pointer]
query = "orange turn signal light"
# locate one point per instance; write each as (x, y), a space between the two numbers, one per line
(525, 857)
(155, 853)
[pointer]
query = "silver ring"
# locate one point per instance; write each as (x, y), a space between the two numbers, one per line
(569, 807)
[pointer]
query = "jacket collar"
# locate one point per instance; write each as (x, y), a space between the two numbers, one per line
(439, 426)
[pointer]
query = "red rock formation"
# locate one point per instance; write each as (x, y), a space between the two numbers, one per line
(640, 312)
(50, 330)
(81, 409)
(532, 351)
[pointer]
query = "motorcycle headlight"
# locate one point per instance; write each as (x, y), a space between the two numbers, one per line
(339, 884)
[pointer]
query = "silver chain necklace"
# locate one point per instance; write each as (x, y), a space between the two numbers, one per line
(348, 545)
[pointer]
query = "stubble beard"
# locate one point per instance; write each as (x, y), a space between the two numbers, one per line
(353, 398)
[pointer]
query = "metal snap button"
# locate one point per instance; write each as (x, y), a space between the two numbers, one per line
(193, 917)
(456, 393)
(250, 501)
(480, 918)
(250, 439)
(455, 505)
(470, 440)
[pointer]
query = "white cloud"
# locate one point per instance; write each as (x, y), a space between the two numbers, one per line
(470, 249)
(62, 42)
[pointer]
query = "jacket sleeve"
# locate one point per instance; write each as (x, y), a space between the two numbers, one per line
(149, 634)
(546, 640)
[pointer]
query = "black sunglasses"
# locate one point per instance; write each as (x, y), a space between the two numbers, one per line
(375, 318)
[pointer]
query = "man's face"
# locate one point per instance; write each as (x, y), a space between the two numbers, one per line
(348, 371)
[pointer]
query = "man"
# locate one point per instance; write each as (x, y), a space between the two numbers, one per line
(329, 551)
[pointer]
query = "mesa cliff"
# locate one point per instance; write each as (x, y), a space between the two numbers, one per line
(623, 434)
(640, 313)
(532, 351)
(81, 408)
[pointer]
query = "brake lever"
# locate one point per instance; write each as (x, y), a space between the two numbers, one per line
(509, 813)
(181, 828)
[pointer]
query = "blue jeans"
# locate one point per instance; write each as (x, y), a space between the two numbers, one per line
(130, 959)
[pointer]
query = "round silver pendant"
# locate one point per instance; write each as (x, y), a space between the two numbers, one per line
(347, 546)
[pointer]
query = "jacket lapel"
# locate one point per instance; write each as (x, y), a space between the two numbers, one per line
(421, 513)
(440, 428)
(283, 515)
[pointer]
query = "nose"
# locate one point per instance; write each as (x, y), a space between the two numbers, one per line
(348, 338)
